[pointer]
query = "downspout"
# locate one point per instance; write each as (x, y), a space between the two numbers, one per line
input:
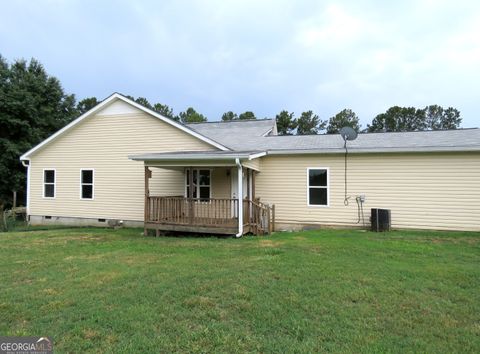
(27, 165)
(240, 197)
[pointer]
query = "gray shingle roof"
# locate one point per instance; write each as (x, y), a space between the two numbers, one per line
(233, 131)
(248, 136)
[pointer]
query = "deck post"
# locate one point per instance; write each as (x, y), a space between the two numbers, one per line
(147, 194)
(190, 195)
(253, 185)
(249, 195)
(273, 218)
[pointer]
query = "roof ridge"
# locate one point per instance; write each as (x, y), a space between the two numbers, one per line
(232, 121)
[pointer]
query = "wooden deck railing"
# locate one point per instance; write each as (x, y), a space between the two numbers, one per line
(185, 211)
(258, 218)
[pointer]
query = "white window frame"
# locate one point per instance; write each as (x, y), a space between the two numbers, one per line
(327, 187)
(87, 184)
(54, 183)
(198, 189)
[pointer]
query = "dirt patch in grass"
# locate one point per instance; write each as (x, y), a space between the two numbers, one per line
(200, 301)
(270, 243)
(89, 333)
(300, 238)
(469, 240)
(86, 257)
(50, 291)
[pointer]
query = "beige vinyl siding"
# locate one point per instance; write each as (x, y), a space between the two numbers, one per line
(254, 164)
(103, 142)
(221, 182)
(435, 190)
(167, 182)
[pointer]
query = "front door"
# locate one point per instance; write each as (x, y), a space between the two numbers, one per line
(234, 184)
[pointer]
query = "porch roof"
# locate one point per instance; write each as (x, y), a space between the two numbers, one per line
(198, 155)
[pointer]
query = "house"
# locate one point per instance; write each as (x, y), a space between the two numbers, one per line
(122, 161)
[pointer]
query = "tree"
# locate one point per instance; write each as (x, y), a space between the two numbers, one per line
(144, 102)
(33, 105)
(310, 123)
(451, 119)
(164, 110)
(345, 118)
(86, 104)
(227, 116)
(286, 124)
(247, 115)
(191, 116)
(160, 108)
(401, 119)
(438, 118)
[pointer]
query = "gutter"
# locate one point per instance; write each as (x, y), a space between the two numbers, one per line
(179, 157)
(29, 170)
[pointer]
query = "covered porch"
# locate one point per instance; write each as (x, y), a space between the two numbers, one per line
(218, 195)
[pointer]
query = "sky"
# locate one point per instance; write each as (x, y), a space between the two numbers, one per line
(263, 56)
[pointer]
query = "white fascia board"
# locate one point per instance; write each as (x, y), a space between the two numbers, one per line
(189, 158)
(257, 155)
(105, 102)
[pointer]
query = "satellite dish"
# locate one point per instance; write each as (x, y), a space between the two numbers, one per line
(348, 133)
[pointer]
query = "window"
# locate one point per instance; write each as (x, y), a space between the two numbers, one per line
(201, 184)
(86, 184)
(49, 183)
(318, 186)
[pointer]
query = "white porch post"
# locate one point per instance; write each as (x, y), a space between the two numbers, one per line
(240, 197)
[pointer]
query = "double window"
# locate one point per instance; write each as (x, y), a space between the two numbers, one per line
(86, 184)
(49, 179)
(317, 192)
(201, 184)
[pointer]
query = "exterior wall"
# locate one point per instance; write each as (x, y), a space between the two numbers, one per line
(104, 142)
(254, 164)
(424, 191)
(221, 182)
(171, 182)
(166, 182)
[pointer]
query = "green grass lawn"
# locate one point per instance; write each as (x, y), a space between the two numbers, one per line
(350, 291)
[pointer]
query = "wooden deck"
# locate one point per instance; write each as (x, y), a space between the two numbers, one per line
(218, 216)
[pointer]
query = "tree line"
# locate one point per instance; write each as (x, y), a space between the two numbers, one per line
(33, 105)
(395, 119)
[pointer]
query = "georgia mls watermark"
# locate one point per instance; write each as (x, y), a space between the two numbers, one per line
(26, 345)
